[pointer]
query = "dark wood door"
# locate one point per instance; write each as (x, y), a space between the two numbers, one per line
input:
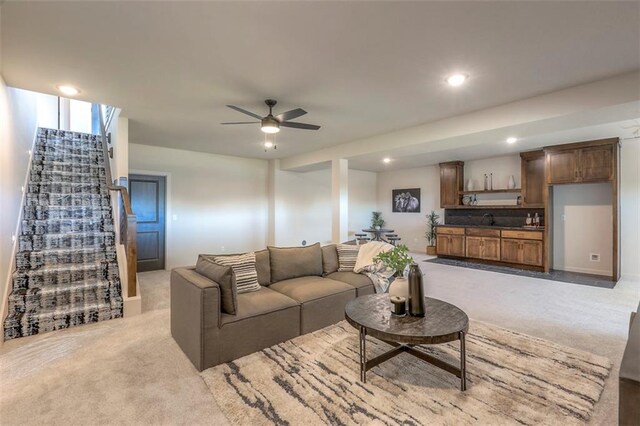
(474, 247)
(510, 251)
(596, 164)
(456, 245)
(148, 203)
(451, 183)
(531, 252)
(562, 166)
(490, 248)
(532, 178)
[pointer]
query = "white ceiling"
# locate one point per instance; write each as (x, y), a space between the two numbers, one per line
(359, 68)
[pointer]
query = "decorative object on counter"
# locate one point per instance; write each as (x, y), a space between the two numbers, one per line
(519, 200)
(377, 221)
(466, 200)
(474, 201)
(512, 182)
(397, 259)
(416, 291)
(406, 200)
(470, 185)
(529, 221)
(399, 305)
(486, 182)
(431, 234)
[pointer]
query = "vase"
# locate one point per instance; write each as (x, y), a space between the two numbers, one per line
(469, 185)
(512, 182)
(399, 287)
(416, 291)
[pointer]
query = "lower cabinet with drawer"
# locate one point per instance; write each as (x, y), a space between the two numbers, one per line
(523, 251)
(450, 241)
(523, 247)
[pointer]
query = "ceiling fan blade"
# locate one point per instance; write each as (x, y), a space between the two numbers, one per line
(290, 115)
(304, 126)
(242, 122)
(244, 111)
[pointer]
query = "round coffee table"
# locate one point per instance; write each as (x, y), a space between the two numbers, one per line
(442, 323)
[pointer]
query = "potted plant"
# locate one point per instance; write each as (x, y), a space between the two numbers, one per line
(430, 234)
(397, 259)
(377, 222)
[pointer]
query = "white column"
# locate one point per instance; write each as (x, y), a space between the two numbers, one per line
(273, 167)
(340, 200)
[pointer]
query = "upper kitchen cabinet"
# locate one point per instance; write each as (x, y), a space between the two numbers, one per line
(592, 161)
(451, 183)
(532, 176)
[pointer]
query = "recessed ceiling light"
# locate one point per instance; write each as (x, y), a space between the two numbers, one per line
(68, 90)
(386, 160)
(457, 79)
(512, 139)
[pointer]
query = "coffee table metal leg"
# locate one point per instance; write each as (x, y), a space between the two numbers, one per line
(363, 354)
(463, 363)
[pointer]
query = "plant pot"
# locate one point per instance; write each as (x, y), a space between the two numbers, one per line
(399, 287)
(431, 250)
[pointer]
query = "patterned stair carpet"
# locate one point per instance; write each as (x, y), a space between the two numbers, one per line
(66, 269)
(314, 379)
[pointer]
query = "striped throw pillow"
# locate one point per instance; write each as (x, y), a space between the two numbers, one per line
(244, 268)
(347, 256)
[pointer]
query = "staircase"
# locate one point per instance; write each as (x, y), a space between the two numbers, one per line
(66, 269)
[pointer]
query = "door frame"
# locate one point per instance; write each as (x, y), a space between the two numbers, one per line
(168, 204)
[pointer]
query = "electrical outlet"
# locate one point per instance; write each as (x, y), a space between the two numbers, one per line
(594, 257)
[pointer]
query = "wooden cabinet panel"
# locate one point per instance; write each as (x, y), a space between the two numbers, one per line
(562, 166)
(531, 252)
(596, 164)
(450, 231)
(442, 244)
(490, 248)
(532, 176)
(483, 232)
(510, 251)
(456, 245)
(474, 247)
(523, 235)
(451, 183)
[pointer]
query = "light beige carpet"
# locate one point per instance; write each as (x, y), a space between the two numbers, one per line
(313, 379)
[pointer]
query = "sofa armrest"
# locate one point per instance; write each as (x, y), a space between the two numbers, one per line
(195, 316)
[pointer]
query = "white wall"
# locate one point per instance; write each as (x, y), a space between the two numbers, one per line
(303, 205)
(219, 203)
(410, 226)
(581, 226)
(630, 209)
(501, 167)
(362, 200)
(119, 129)
(18, 122)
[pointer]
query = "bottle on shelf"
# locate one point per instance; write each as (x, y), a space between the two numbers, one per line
(536, 220)
(486, 182)
(491, 182)
(529, 220)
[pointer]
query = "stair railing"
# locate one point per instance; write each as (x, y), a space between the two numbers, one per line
(127, 218)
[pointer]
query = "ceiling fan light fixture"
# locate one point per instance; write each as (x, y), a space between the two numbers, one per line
(270, 125)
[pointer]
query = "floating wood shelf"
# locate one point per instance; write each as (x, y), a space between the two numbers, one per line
(492, 191)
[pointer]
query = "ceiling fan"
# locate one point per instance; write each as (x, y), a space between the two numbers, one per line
(271, 123)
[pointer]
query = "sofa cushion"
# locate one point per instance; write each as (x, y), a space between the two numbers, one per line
(355, 280)
(257, 303)
(347, 257)
(329, 259)
(306, 289)
(244, 268)
(263, 267)
(293, 262)
(224, 276)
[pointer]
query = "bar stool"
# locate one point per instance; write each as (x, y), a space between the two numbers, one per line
(393, 240)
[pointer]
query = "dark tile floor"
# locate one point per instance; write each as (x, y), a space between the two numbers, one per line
(563, 276)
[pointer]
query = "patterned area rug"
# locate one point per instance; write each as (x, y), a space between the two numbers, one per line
(512, 378)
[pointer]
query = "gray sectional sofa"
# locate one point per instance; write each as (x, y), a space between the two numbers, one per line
(301, 290)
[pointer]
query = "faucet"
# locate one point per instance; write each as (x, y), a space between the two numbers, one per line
(490, 216)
